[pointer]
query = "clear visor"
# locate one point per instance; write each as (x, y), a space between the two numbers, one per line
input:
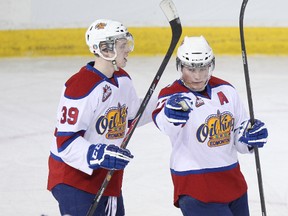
(196, 65)
(130, 41)
(128, 37)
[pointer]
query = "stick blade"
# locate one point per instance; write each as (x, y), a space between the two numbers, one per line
(169, 9)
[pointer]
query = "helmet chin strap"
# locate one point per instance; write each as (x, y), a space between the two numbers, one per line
(114, 63)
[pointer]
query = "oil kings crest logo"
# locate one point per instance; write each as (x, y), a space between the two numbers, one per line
(217, 128)
(113, 122)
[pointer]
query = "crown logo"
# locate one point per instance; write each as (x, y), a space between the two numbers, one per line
(100, 25)
(107, 91)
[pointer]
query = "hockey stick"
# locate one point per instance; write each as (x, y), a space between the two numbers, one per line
(170, 12)
(250, 103)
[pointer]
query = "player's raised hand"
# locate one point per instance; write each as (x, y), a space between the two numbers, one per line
(177, 109)
(108, 156)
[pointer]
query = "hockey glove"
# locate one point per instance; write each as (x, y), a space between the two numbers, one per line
(177, 109)
(255, 135)
(109, 157)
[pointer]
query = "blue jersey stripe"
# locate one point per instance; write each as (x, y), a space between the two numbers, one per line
(202, 171)
(55, 157)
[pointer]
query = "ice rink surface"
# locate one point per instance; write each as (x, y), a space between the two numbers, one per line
(29, 95)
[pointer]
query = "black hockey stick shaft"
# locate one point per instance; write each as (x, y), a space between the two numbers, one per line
(175, 24)
(250, 104)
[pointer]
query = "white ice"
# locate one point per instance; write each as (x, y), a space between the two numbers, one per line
(29, 94)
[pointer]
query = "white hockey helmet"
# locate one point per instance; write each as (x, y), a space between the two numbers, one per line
(195, 52)
(107, 32)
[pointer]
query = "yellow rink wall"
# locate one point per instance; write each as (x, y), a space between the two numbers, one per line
(148, 41)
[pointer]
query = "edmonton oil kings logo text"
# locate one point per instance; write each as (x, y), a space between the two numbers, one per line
(113, 122)
(217, 128)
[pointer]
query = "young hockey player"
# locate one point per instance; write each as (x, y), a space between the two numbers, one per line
(95, 109)
(207, 125)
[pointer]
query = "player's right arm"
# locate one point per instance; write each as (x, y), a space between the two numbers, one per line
(73, 119)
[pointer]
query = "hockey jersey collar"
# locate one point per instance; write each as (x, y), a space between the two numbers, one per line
(90, 67)
(205, 93)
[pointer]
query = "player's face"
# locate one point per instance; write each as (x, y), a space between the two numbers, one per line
(195, 78)
(123, 48)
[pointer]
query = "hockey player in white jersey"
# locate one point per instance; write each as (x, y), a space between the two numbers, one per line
(95, 109)
(207, 125)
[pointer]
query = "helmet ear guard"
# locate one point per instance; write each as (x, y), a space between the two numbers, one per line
(178, 64)
(106, 46)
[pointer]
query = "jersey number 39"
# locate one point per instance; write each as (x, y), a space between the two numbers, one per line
(69, 115)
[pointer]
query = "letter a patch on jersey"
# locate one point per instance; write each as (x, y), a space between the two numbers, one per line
(222, 98)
